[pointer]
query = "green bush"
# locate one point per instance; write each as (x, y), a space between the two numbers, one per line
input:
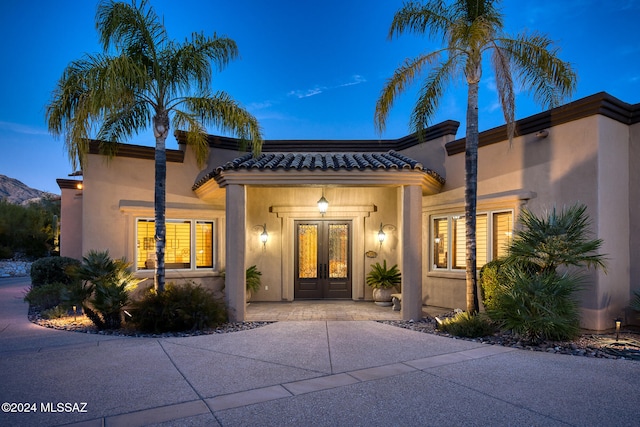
(467, 325)
(108, 282)
(490, 278)
(55, 313)
(53, 270)
(537, 306)
(253, 279)
(46, 296)
(635, 302)
(28, 230)
(187, 307)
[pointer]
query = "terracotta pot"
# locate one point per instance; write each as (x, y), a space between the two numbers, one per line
(382, 296)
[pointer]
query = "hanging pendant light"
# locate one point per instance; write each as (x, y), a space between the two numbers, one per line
(323, 204)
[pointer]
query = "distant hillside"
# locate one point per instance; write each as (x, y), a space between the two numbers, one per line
(19, 193)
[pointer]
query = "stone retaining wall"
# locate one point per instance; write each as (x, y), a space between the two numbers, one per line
(15, 268)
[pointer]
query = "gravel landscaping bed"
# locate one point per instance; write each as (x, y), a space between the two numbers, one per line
(82, 324)
(589, 345)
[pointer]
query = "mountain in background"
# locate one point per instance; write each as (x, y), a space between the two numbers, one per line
(18, 193)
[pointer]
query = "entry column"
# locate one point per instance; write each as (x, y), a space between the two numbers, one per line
(235, 278)
(411, 252)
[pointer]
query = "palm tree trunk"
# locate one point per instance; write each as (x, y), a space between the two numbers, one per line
(470, 196)
(161, 128)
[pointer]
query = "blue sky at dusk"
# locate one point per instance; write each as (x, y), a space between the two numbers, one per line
(308, 69)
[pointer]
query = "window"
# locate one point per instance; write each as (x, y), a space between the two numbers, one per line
(188, 243)
(493, 235)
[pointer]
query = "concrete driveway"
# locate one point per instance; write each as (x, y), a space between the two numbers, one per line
(299, 373)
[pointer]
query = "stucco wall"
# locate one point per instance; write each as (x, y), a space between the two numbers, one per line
(71, 223)
(584, 161)
(278, 207)
(634, 218)
(119, 190)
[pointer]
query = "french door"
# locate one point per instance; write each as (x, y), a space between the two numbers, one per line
(323, 260)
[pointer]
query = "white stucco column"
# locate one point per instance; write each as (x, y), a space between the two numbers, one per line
(235, 280)
(411, 265)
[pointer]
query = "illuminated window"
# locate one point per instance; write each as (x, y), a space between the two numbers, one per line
(188, 243)
(440, 242)
(493, 235)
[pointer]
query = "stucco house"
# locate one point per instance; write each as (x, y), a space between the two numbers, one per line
(410, 189)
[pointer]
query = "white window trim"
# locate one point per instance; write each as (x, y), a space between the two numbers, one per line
(192, 243)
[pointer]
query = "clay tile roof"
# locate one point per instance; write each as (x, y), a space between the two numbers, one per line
(320, 161)
(323, 161)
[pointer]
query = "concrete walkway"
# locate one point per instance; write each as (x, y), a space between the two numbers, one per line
(299, 373)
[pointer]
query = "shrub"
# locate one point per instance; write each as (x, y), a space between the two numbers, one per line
(381, 277)
(108, 281)
(467, 325)
(253, 279)
(54, 313)
(490, 278)
(187, 307)
(53, 270)
(538, 306)
(46, 296)
(635, 302)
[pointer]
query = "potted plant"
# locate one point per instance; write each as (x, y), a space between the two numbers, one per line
(384, 281)
(254, 280)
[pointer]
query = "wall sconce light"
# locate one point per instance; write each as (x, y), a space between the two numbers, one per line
(381, 235)
(618, 323)
(437, 240)
(323, 204)
(264, 236)
(79, 185)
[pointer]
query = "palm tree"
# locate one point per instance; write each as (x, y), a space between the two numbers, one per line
(144, 79)
(469, 29)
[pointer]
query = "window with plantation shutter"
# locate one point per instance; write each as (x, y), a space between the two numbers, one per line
(189, 244)
(493, 234)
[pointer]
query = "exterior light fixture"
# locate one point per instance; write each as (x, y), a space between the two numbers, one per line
(323, 204)
(618, 323)
(381, 235)
(264, 236)
(79, 185)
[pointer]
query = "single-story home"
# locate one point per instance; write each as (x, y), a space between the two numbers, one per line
(399, 200)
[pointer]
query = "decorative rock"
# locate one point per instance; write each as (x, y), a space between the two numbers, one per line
(12, 268)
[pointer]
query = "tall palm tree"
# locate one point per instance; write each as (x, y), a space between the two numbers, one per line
(142, 80)
(469, 29)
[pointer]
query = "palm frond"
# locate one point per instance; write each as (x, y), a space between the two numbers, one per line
(134, 28)
(402, 78)
(431, 93)
(506, 93)
(557, 238)
(538, 67)
(431, 18)
(226, 114)
(196, 134)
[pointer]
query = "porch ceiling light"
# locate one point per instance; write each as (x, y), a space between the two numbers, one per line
(323, 204)
(264, 236)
